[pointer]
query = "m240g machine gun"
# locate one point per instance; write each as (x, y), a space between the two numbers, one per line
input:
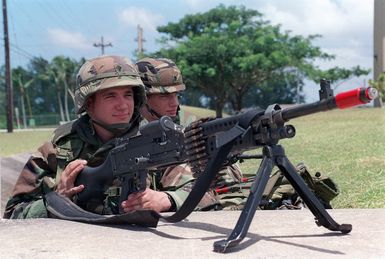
(263, 129)
(207, 145)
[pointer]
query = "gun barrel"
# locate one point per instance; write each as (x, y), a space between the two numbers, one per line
(342, 100)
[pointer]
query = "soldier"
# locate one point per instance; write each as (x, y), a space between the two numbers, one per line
(163, 83)
(108, 100)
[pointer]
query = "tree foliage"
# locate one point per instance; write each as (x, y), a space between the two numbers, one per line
(380, 85)
(230, 52)
(338, 75)
(43, 88)
(229, 57)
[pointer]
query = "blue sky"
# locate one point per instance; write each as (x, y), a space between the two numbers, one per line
(48, 28)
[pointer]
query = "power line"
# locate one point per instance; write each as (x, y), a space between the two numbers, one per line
(46, 8)
(17, 12)
(24, 52)
(16, 51)
(26, 14)
(78, 19)
(14, 32)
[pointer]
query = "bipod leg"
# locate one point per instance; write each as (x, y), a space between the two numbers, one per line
(321, 216)
(256, 192)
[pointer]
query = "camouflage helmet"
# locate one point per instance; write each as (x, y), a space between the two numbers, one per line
(160, 75)
(107, 72)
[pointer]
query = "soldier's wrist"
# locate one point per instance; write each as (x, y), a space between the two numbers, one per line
(172, 202)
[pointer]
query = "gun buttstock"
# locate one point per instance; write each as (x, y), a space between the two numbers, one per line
(94, 180)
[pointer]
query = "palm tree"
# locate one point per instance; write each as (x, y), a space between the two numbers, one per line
(52, 74)
(65, 70)
(19, 78)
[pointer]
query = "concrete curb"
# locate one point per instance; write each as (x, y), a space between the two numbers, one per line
(272, 234)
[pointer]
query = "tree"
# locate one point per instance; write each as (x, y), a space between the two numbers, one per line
(274, 91)
(338, 75)
(229, 52)
(61, 71)
(22, 80)
(65, 70)
(208, 58)
(43, 90)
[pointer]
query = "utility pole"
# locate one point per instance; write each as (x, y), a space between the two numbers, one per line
(140, 41)
(379, 43)
(102, 45)
(8, 78)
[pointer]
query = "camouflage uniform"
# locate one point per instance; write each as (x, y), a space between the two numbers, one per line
(162, 76)
(78, 140)
(74, 140)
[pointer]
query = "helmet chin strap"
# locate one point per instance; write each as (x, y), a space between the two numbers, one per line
(157, 115)
(118, 129)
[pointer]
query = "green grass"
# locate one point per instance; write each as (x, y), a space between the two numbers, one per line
(22, 141)
(348, 145)
(199, 112)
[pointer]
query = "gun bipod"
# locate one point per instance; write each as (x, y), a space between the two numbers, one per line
(274, 155)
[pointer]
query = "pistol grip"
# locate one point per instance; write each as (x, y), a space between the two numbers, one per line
(132, 183)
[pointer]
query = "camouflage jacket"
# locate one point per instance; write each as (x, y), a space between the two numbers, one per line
(75, 140)
(40, 175)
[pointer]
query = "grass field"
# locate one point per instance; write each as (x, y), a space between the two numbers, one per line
(348, 145)
(22, 141)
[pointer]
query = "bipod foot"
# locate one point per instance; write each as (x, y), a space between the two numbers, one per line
(330, 224)
(345, 228)
(221, 245)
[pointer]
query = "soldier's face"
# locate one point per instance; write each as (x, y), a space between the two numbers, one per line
(164, 104)
(113, 105)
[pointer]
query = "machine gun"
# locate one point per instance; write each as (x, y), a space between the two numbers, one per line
(227, 137)
(160, 144)
(208, 145)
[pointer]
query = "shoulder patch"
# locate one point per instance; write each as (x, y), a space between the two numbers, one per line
(62, 131)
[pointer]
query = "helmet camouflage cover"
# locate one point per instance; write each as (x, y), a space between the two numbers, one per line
(160, 75)
(107, 72)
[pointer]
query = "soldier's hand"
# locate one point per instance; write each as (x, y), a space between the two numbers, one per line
(148, 199)
(67, 179)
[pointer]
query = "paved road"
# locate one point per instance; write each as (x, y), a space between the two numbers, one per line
(10, 168)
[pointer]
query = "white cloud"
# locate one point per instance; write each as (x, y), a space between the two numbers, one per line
(346, 26)
(68, 39)
(133, 16)
(326, 17)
